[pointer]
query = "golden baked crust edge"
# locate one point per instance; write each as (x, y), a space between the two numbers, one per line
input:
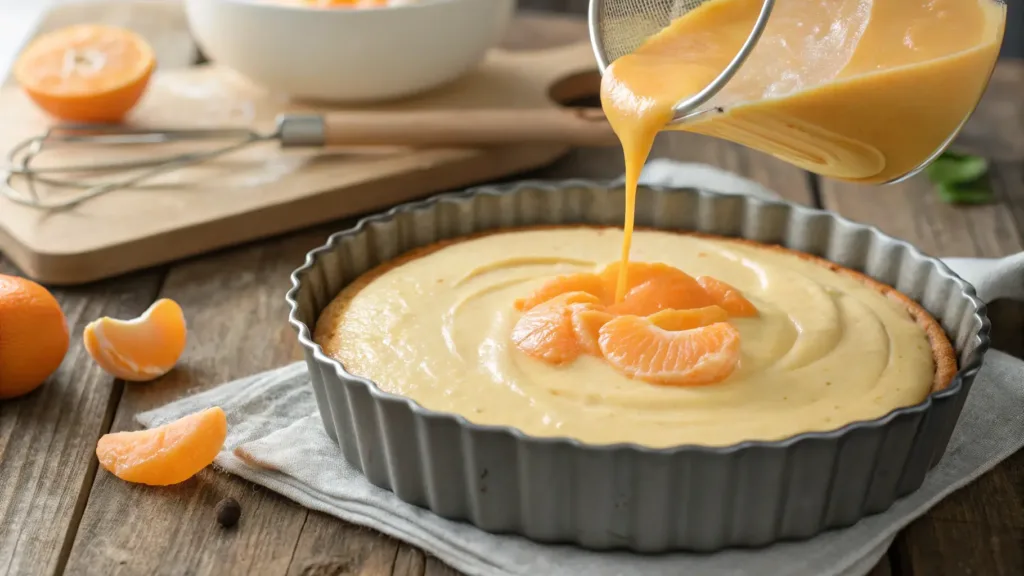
(943, 354)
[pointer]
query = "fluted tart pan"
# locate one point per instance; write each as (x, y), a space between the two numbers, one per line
(625, 495)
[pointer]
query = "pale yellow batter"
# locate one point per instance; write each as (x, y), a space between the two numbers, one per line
(827, 349)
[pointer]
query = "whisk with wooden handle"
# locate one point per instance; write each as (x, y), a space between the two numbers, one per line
(427, 128)
(618, 27)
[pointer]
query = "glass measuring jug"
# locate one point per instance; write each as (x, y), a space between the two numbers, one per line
(861, 90)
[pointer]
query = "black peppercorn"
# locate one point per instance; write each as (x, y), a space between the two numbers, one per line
(228, 512)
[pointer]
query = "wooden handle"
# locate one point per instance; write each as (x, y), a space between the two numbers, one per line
(468, 128)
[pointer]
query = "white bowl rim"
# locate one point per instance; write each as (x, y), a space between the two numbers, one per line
(294, 6)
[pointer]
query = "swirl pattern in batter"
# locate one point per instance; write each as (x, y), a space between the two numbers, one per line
(827, 348)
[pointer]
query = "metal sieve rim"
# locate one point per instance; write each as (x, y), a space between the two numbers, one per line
(687, 108)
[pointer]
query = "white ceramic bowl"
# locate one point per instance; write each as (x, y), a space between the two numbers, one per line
(348, 54)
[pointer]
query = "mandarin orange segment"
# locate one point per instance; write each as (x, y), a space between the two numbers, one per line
(651, 287)
(678, 293)
(637, 348)
(86, 73)
(587, 320)
(168, 454)
(675, 320)
(546, 332)
(637, 273)
(141, 349)
(728, 297)
(581, 282)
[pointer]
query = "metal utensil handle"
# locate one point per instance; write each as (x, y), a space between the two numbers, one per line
(455, 128)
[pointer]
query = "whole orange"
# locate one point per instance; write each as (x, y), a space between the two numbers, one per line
(33, 336)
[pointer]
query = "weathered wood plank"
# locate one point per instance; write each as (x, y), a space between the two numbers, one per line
(409, 562)
(944, 548)
(48, 438)
(883, 568)
(996, 129)
(329, 546)
(435, 567)
(914, 212)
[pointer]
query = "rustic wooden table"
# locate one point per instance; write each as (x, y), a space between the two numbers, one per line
(59, 513)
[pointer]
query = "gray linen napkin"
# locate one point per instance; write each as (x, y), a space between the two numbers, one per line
(275, 439)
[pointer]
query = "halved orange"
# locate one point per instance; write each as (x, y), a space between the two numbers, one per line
(638, 348)
(86, 73)
(141, 349)
(168, 454)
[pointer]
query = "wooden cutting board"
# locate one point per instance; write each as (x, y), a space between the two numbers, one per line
(262, 190)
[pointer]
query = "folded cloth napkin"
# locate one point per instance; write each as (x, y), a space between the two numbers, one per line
(276, 439)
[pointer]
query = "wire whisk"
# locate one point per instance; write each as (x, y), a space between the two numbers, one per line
(90, 180)
(455, 128)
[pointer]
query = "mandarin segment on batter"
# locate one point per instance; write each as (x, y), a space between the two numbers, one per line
(546, 331)
(577, 314)
(639, 349)
(587, 320)
(667, 288)
(728, 297)
(688, 319)
(582, 282)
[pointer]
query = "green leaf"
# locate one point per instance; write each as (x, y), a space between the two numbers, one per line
(977, 192)
(952, 168)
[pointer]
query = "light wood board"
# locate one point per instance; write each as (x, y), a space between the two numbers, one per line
(262, 190)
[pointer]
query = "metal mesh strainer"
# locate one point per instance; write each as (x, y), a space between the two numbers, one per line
(618, 27)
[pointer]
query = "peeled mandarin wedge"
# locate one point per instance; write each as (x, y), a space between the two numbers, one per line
(141, 349)
(582, 282)
(639, 349)
(675, 320)
(636, 273)
(587, 320)
(661, 294)
(168, 454)
(86, 73)
(651, 287)
(727, 297)
(546, 331)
